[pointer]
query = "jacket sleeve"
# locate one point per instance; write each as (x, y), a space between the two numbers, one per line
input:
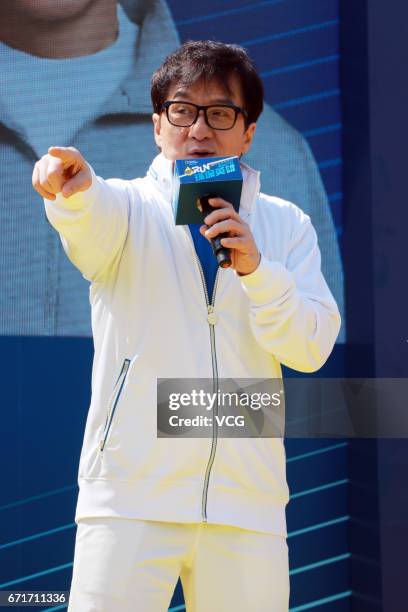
(93, 225)
(292, 313)
(316, 205)
(289, 170)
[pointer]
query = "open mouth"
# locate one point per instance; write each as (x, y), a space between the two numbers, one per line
(201, 154)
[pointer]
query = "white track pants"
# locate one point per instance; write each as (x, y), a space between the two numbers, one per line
(124, 565)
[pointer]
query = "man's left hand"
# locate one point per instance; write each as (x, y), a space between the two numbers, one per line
(245, 256)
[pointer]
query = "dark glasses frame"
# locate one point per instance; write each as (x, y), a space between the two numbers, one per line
(205, 108)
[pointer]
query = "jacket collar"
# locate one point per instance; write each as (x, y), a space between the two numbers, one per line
(250, 187)
(161, 175)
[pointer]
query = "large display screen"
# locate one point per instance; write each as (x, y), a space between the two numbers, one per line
(77, 73)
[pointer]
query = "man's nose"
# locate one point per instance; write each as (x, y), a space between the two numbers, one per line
(200, 129)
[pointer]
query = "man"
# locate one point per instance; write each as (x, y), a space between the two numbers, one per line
(54, 58)
(210, 510)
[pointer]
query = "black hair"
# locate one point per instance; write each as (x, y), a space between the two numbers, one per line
(209, 60)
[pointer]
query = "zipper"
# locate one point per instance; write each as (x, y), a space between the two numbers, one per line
(117, 390)
(210, 310)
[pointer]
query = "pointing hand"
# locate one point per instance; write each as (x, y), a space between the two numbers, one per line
(62, 170)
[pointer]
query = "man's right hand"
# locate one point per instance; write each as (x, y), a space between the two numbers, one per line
(62, 170)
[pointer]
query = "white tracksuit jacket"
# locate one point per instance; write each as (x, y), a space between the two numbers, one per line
(150, 319)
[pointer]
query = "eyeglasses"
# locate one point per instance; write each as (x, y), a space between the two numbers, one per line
(217, 116)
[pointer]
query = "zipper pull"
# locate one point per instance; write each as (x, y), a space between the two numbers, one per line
(212, 316)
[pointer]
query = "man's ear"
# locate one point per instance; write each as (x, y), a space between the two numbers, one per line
(157, 128)
(248, 137)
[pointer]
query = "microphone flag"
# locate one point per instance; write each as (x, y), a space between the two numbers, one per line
(195, 178)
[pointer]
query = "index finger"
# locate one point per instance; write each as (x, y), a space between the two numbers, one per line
(220, 203)
(65, 154)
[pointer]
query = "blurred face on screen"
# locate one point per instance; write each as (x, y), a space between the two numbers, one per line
(58, 28)
(50, 10)
(201, 140)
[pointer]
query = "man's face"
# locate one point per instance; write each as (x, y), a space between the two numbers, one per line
(200, 140)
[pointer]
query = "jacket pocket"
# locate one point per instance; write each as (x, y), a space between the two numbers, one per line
(113, 402)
